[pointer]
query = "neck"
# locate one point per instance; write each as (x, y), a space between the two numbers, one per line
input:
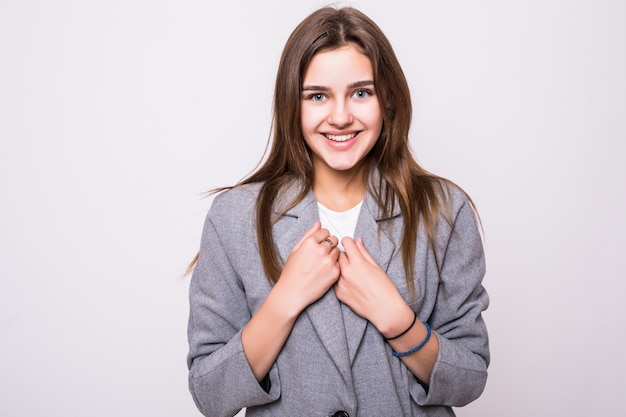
(339, 190)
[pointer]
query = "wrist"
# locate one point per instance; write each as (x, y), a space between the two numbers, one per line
(398, 324)
(284, 302)
(405, 330)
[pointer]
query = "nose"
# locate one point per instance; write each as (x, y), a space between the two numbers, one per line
(340, 114)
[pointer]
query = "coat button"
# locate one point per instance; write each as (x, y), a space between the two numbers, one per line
(341, 413)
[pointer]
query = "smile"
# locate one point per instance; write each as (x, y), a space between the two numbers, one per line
(341, 138)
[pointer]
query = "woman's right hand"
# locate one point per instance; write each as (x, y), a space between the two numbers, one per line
(311, 269)
(309, 272)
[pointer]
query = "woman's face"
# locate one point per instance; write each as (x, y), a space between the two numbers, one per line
(340, 114)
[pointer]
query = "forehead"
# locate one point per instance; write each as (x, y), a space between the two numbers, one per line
(332, 66)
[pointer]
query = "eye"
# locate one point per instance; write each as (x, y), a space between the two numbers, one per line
(362, 93)
(317, 97)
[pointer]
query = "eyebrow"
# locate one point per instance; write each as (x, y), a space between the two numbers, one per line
(364, 83)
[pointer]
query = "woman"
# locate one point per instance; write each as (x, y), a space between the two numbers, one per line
(341, 278)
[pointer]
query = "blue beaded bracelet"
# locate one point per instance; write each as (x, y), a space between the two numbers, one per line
(416, 348)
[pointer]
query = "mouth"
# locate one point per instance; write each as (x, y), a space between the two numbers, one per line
(341, 138)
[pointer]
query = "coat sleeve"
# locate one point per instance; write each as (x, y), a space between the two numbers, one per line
(220, 379)
(460, 372)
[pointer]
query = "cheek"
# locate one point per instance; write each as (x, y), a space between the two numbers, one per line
(310, 118)
(305, 116)
(370, 114)
(378, 118)
(374, 119)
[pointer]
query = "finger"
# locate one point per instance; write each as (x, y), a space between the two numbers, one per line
(342, 259)
(319, 235)
(316, 227)
(331, 241)
(364, 251)
(350, 247)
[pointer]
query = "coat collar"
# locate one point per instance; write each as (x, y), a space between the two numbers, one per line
(291, 191)
(338, 327)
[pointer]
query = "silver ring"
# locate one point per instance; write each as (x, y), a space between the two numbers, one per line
(330, 242)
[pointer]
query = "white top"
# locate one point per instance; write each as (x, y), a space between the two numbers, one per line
(340, 223)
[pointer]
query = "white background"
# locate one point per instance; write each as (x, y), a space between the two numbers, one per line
(115, 116)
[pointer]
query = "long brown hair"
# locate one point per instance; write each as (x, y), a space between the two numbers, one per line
(421, 195)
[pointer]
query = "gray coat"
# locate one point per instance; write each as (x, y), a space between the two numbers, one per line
(333, 359)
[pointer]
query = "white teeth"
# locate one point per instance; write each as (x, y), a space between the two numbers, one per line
(341, 138)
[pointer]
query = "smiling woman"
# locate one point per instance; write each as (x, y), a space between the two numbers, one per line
(341, 121)
(361, 262)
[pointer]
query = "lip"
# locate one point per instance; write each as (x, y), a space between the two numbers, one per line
(341, 137)
(341, 141)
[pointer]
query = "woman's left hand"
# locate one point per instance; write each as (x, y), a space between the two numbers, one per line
(368, 291)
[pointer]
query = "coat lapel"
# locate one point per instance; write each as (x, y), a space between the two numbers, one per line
(381, 247)
(325, 314)
(338, 327)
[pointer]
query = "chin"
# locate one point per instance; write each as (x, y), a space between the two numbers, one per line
(343, 167)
